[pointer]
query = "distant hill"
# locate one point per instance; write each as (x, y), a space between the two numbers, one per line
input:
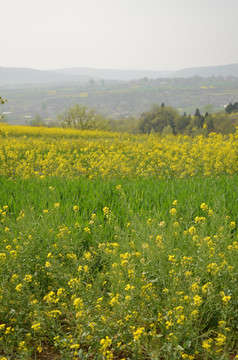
(113, 74)
(20, 76)
(209, 71)
(127, 75)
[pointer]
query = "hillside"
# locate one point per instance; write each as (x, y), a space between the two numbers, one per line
(118, 99)
(23, 76)
(207, 71)
(20, 76)
(127, 75)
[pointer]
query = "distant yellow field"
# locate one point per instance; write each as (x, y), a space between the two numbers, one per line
(83, 94)
(31, 151)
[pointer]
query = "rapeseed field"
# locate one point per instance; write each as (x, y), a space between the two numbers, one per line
(116, 246)
(27, 151)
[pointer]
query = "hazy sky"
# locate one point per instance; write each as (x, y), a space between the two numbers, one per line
(118, 34)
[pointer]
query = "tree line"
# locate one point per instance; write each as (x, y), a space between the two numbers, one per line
(167, 120)
(159, 119)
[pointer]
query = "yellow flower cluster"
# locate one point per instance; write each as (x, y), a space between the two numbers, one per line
(27, 151)
(109, 285)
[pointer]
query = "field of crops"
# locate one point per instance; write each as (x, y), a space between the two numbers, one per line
(117, 246)
(27, 151)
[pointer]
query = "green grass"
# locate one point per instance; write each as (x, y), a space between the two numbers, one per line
(102, 269)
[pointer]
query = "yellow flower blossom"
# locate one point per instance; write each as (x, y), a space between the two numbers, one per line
(36, 326)
(192, 230)
(204, 206)
(129, 287)
(206, 344)
(173, 211)
(105, 343)
(138, 333)
(22, 346)
(19, 287)
(225, 298)
(220, 340)
(3, 257)
(28, 278)
(197, 300)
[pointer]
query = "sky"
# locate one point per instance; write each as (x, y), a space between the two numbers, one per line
(118, 34)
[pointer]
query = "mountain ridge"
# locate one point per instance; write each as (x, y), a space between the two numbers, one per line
(21, 76)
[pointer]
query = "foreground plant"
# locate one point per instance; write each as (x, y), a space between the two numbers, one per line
(115, 274)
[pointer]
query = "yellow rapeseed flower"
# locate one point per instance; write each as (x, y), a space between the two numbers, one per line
(36, 326)
(173, 211)
(138, 333)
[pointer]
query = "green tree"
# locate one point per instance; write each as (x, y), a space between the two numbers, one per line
(2, 101)
(231, 108)
(130, 125)
(224, 123)
(181, 123)
(208, 124)
(80, 117)
(198, 120)
(158, 118)
(36, 121)
(167, 130)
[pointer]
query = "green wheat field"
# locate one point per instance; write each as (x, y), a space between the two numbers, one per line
(118, 246)
(119, 269)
